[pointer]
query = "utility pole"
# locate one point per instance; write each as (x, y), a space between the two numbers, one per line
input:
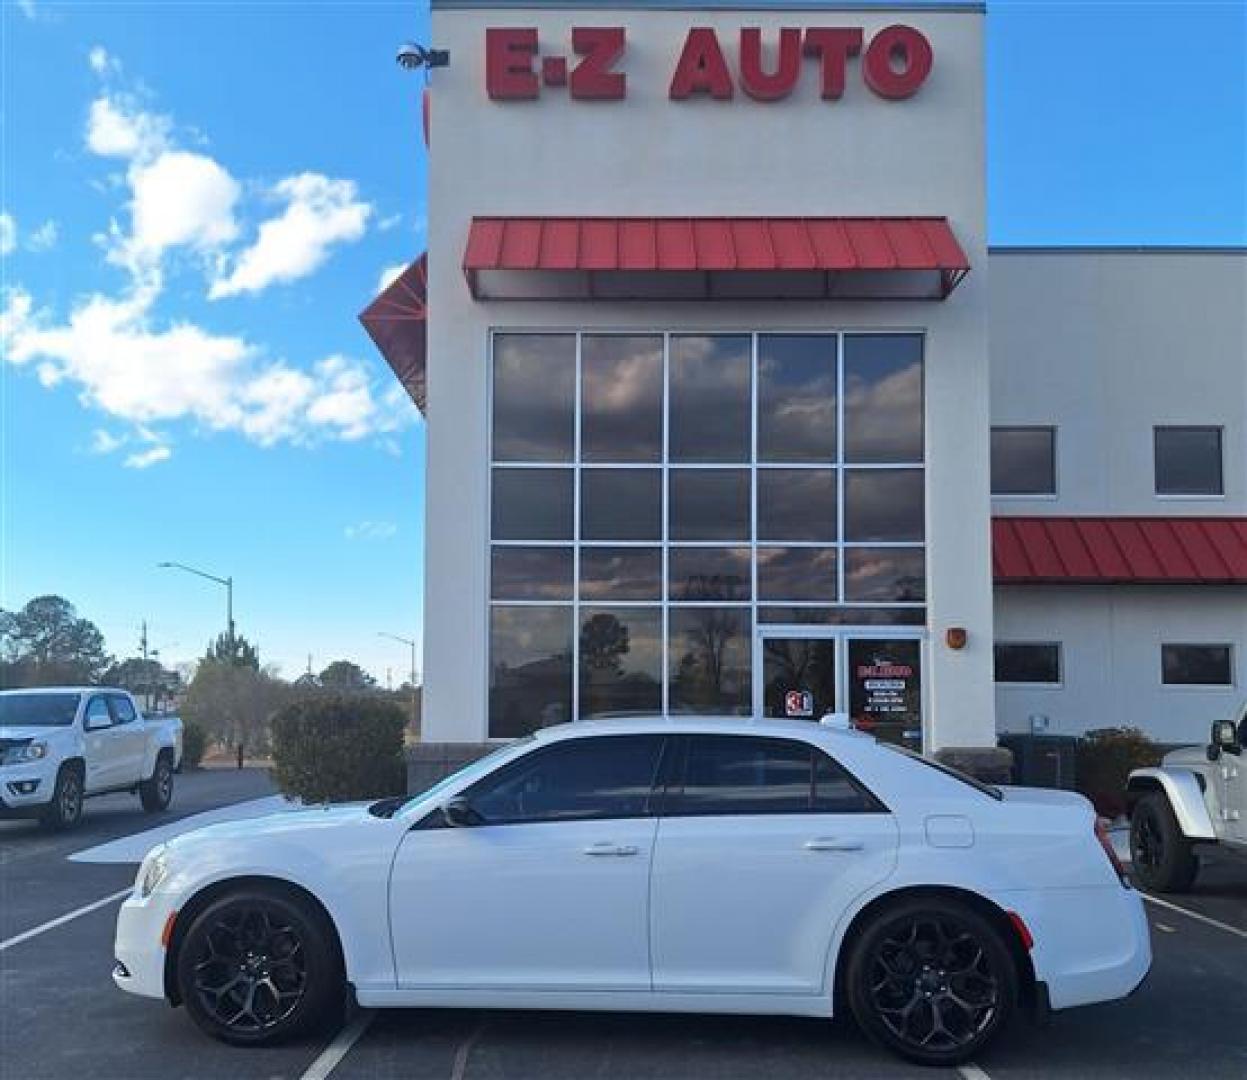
(228, 582)
(410, 642)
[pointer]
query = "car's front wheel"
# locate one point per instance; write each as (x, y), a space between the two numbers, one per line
(932, 980)
(1162, 859)
(259, 966)
(65, 809)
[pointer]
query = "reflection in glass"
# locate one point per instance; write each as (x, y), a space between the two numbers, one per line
(710, 392)
(530, 669)
(534, 397)
(620, 573)
(796, 573)
(709, 666)
(532, 504)
(709, 504)
(620, 660)
(1023, 461)
(621, 504)
(884, 504)
(531, 573)
(806, 666)
(797, 504)
(885, 689)
(1188, 461)
(885, 574)
(701, 573)
(883, 397)
(843, 616)
(621, 398)
(797, 397)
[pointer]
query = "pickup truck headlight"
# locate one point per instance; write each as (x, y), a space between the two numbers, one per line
(154, 869)
(20, 755)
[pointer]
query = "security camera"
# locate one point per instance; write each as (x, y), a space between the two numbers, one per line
(413, 56)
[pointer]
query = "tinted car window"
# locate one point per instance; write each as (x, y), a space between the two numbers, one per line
(728, 774)
(600, 777)
(123, 711)
(38, 710)
(97, 710)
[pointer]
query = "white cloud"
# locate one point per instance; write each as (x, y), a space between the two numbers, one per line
(320, 212)
(117, 127)
(389, 275)
(8, 234)
(44, 238)
(105, 442)
(144, 459)
(182, 199)
(103, 62)
(371, 530)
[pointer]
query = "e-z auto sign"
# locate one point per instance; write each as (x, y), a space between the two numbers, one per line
(893, 64)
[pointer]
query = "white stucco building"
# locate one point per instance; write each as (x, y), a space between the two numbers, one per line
(719, 375)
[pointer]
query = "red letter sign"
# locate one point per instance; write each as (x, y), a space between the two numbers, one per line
(509, 74)
(757, 83)
(701, 69)
(592, 78)
(833, 46)
(906, 46)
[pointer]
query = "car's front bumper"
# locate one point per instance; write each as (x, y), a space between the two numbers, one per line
(26, 789)
(139, 946)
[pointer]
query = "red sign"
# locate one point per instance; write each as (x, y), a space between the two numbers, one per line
(798, 703)
(894, 64)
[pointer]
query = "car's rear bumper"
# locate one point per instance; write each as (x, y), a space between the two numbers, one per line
(138, 948)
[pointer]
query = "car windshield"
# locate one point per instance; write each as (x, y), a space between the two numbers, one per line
(38, 710)
(954, 774)
(390, 807)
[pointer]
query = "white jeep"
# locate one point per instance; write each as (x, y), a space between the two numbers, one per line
(60, 745)
(1196, 796)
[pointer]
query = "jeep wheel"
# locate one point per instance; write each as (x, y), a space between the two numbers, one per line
(157, 792)
(1163, 859)
(65, 809)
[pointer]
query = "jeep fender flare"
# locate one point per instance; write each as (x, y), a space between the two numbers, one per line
(1186, 798)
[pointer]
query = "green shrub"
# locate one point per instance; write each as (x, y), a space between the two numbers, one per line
(334, 748)
(1105, 759)
(194, 744)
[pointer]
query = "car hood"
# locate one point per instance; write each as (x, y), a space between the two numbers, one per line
(31, 732)
(295, 822)
(1187, 756)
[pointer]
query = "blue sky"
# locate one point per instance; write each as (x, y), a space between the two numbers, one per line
(198, 199)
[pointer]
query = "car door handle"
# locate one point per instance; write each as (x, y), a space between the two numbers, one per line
(833, 843)
(611, 849)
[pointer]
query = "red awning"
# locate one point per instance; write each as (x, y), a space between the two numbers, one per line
(567, 258)
(397, 320)
(1119, 550)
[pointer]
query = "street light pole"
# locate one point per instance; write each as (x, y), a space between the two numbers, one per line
(411, 643)
(228, 582)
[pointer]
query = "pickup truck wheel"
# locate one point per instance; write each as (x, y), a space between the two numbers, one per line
(65, 809)
(1162, 858)
(157, 792)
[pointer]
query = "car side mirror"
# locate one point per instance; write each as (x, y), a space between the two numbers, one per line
(459, 814)
(95, 723)
(1225, 737)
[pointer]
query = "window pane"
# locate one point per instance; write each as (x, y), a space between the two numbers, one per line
(883, 397)
(532, 504)
(797, 504)
(797, 397)
(1197, 665)
(620, 661)
(600, 777)
(883, 504)
(709, 504)
(727, 774)
(885, 689)
(621, 504)
(621, 398)
(1028, 663)
(123, 711)
(620, 573)
(534, 397)
(796, 573)
(531, 573)
(1023, 461)
(843, 616)
(530, 669)
(97, 711)
(708, 573)
(1188, 461)
(885, 574)
(709, 666)
(835, 792)
(710, 393)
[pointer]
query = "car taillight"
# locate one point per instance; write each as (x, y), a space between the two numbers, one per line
(1106, 842)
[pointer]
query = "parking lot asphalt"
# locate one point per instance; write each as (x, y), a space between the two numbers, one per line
(61, 1016)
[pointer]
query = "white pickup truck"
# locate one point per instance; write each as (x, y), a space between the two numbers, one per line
(61, 745)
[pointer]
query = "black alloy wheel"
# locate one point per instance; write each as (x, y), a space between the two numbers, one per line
(1162, 859)
(933, 981)
(157, 792)
(65, 809)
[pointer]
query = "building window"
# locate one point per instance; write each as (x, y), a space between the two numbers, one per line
(1023, 461)
(656, 496)
(1197, 665)
(1028, 663)
(1188, 461)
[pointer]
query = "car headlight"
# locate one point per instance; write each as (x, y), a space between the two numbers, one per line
(154, 869)
(20, 755)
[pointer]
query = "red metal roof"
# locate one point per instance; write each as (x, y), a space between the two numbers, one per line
(801, 257)
(397, 323)
(1119, 550)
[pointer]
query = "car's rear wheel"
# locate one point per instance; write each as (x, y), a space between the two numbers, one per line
(1162, 859)
(157, 792)
(259, 966)
(65, 809)
(932, 980)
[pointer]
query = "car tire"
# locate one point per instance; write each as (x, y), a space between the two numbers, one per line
(932, 980)
(1162, 859)
(260, 966)
(65, 809)
(157, 792)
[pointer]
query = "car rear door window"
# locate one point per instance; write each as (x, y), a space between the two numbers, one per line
(123, 710)
(578, 780)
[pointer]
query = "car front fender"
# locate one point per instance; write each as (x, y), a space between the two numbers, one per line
(1181, 788)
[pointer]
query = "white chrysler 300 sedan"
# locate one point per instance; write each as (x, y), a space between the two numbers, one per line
(700, 866)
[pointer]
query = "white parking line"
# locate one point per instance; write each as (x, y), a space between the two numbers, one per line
(972, 1072)
(1196, 916)
(333, 1054)
(52, 924)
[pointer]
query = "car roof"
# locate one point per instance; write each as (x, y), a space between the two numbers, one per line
(65, 690)
(700, 725)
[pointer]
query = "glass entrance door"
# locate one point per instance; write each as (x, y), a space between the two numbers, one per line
(798, 677)
(884, 678)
